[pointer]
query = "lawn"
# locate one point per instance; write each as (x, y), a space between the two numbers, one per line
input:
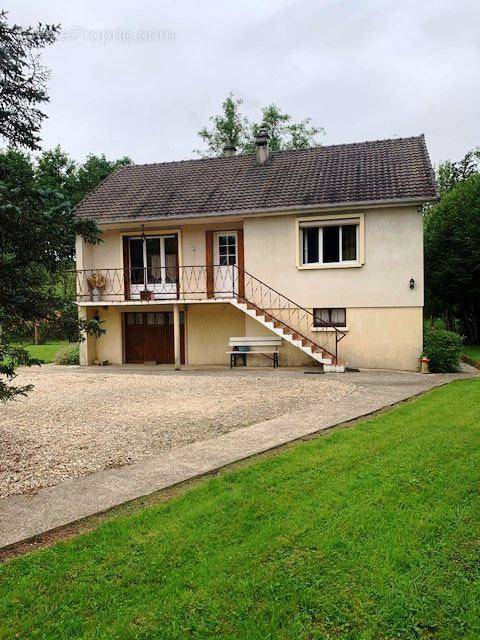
(45, 352)
(472, 351)
(370, 532)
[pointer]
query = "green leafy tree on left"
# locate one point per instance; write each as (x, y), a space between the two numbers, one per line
(38, 222)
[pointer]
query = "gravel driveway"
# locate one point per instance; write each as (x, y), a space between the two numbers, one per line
(77, 421)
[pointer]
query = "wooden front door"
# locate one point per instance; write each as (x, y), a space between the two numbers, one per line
(149, 337)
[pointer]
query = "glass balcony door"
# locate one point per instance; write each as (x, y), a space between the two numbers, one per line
(225, 261)
(153, 266)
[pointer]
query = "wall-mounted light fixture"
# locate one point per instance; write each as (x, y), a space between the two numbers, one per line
(412, 283)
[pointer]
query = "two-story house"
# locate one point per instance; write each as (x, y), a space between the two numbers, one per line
(322, 247)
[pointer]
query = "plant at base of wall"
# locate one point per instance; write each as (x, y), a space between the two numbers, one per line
(442, 347)
(69, 354)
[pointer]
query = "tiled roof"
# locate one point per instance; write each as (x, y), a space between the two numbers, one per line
(365, 172)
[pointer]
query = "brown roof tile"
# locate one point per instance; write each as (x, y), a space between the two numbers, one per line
(364, 172)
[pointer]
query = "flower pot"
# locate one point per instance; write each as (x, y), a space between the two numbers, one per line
(96, 295)
(425, 362)
(147, 295)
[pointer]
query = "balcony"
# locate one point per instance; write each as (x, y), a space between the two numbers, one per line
(186, 283)
(204, 284)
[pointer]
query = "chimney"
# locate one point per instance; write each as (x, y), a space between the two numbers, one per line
(262, 145)
(229, 151)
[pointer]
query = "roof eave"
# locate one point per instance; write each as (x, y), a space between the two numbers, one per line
(278, 210)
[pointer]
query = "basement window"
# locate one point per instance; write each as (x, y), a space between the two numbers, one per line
(329, 244)
(330, 317)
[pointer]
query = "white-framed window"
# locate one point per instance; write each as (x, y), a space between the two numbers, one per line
(330, 244)
(333, 317)
(154, 259)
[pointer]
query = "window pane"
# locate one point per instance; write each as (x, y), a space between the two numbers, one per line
(171, 259)
(321, 316)
(154, 263)
(136, 260)
(338, 317)
(333, 317)
(310, 245)
(349, 242)
(331, 248)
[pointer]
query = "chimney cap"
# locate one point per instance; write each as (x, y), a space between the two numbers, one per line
(229, 150)
(262, 135)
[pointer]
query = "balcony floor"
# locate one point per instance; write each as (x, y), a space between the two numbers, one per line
(143, 303)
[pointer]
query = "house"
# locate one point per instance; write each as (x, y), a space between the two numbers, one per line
(322, 247)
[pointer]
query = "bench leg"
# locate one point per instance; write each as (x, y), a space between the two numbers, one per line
(275, 360)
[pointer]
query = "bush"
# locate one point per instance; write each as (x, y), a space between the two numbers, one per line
(68, 355)
(443, 347)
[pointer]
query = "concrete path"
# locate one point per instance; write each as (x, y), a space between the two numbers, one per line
(26, 516)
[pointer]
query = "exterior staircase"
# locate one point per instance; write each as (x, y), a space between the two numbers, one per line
(286, 319)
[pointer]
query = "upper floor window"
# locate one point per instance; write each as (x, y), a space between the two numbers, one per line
(329, 243)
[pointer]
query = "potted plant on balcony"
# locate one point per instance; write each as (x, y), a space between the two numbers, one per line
(97, 284)
(146, 294)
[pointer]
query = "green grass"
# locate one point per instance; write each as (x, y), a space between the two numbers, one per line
(472, 351)
(45, 352)
(370, 532)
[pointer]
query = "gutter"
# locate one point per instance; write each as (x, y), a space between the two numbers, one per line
(315, 208)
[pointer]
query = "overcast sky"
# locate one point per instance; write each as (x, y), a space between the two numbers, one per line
(363, 69)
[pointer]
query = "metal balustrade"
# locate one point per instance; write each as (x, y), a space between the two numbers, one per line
(197, 283)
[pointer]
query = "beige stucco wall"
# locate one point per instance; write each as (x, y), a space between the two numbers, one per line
(384, 315)
(109, 253)
(393, 255)
(209, 326)
(384, 338)
(87, 346)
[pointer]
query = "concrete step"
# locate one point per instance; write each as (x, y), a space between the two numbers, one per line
(334, 368)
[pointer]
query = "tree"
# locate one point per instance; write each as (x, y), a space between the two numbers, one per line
(38, 222)
(452, 256)
(22, 81)
(449, 173)
(92, 172)
(57, 171)
(231, 129)
(36, 244)
(284, 134)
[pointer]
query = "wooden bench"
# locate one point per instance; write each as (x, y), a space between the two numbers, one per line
(254, 345)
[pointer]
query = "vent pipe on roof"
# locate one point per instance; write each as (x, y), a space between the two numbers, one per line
(229, 151)
(263, 153)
